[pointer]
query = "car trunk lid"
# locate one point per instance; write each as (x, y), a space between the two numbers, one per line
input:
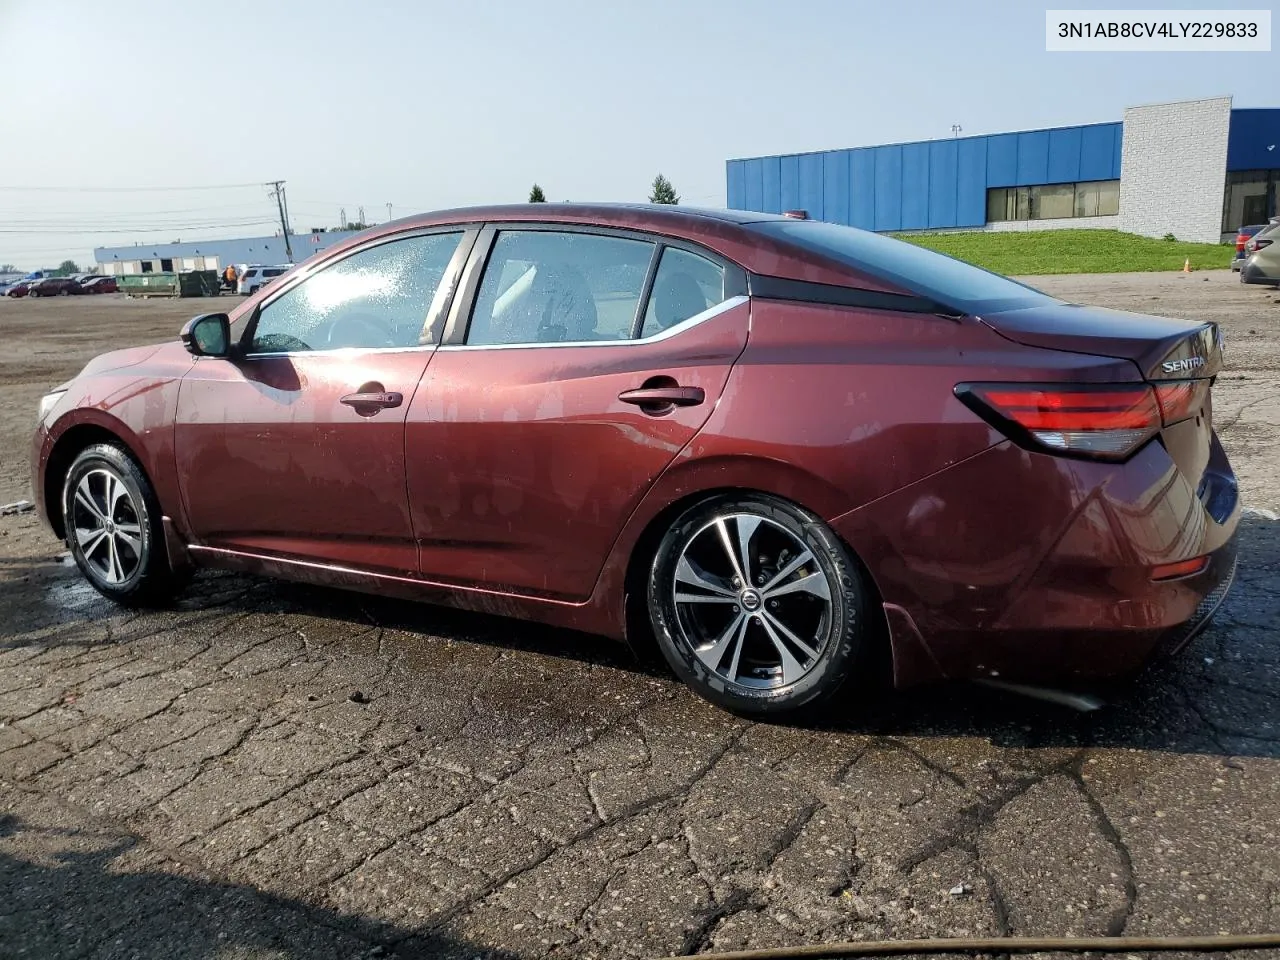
(1179, 358)
(1163, 348)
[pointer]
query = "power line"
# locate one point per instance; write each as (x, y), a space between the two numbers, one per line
(220, 186)
(255, 206)
(144, 229)
(95, 222)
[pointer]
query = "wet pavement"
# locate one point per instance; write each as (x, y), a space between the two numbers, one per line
(309, 773)
(277, 771)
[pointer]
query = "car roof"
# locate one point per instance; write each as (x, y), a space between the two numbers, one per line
(569, 212)
(727, 232)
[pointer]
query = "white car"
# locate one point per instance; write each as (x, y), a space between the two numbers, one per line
(254, 277)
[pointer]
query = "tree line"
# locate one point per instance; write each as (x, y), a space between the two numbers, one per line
(661, 192)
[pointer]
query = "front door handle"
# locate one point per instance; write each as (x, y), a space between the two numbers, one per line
(664, 396)
(372, 401)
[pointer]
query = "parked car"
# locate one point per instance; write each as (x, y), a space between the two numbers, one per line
(1268, 234)
(1263, 265)
(256, 277)
(100, 285)
(1242, 237)
(20, 289)
(55, 287)
(774, 447)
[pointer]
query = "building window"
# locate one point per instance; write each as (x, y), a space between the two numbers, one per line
(1098, 199)
(1251, 198)
(1057, 201)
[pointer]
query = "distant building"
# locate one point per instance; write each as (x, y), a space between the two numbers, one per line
(211, 254)
(1197, 169)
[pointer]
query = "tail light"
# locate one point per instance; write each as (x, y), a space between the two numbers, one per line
(1258, 244)
(1102, 421)
(1241, 240)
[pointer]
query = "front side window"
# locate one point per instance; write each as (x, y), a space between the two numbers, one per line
(543, 286)
(684, 286)
(377, 298)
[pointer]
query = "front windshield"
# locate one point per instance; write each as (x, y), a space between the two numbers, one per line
(947, 280)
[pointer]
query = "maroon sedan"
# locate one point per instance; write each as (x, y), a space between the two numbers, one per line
(55, 287)
(99, 285)
(770, 445)
(20, 289)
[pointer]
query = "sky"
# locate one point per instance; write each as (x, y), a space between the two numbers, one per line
(426, 105)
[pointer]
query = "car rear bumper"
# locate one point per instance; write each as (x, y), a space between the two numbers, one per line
(1252, 273)
(1033, 569)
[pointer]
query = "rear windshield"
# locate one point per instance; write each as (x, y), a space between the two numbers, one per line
(947, 280)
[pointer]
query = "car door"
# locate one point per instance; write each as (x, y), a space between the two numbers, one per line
(576, 365)
(296, 447)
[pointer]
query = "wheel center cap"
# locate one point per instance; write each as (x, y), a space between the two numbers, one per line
(111, 527)
(751, 600)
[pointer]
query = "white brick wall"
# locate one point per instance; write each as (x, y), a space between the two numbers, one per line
(1173, 169)
(1062, 223)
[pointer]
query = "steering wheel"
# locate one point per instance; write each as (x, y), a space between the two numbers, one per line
(361, 330)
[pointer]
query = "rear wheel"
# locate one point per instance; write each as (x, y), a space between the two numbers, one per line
(756, 605)
(112, 520)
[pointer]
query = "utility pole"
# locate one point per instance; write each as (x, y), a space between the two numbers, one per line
(277, 194)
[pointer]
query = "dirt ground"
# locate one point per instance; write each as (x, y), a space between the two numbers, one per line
(271, 770)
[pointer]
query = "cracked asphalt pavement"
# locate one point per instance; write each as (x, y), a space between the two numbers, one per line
(276, 771)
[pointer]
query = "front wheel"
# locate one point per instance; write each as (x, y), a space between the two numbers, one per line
(757, 605)
(113, 528)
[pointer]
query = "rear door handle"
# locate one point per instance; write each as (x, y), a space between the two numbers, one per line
(379, 401)
(660, 396)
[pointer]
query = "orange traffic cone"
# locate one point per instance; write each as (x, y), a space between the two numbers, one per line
(1186, 265)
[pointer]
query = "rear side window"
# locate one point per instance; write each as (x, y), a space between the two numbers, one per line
(950, 282)
(684, 286)
(544, 286)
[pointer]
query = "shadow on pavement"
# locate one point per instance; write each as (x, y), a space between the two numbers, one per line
(1220, 696)
(69, 893)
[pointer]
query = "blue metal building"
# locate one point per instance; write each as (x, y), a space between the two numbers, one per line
(938, 184)
(1057, 177)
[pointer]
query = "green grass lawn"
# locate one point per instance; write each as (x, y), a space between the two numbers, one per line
(1074, 251)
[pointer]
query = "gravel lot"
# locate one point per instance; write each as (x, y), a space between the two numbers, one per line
(272, 770)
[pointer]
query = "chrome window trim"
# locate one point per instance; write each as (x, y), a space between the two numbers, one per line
(722, 307)
(335, 351)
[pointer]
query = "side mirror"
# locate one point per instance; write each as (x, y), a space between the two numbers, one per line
(208, 335)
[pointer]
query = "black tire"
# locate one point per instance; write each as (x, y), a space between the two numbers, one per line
(837, 634)
(146, 576)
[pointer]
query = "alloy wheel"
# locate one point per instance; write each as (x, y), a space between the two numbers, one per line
(106, 524)
(752, 601)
